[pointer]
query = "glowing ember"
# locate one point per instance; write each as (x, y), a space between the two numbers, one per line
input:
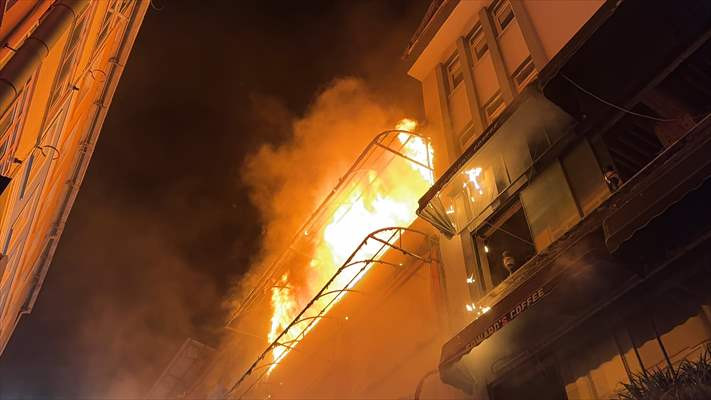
(383, 199)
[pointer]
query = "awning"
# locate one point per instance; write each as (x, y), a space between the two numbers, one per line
(578, 294)
(576, 254)
(680, 169)
(497, 164)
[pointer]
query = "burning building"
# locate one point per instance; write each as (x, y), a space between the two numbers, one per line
(59, 67)
(354, 307)
(562, 240)
(574, 155)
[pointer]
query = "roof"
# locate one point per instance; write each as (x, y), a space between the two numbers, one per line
(435, 16)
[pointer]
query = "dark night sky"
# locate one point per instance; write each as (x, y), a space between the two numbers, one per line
(162, 225)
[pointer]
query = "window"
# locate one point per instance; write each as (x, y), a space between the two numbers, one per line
(503, 15)
(454, 72)
(550, 207)
(477, 43)
(524, 73)
(66, 68)
(504, 245)
(494, 107)
(585, 177)
(26, 175)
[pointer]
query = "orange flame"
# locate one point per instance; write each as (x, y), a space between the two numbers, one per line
(389, 198)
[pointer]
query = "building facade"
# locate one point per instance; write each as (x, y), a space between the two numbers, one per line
(570, 190)
(563, 243)
(59, 67)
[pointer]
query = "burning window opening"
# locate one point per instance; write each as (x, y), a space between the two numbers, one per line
(380, 190)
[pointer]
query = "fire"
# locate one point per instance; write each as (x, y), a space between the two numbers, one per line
(285, 308)
(383, 199)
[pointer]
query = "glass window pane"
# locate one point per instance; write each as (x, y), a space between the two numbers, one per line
(477, 43)
(508, 244)
(494, 106)
(454, 70)
(549, 205)
(524, 73)
(585, 177)
(504, 15)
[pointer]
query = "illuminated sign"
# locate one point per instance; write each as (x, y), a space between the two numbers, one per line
(517, 310)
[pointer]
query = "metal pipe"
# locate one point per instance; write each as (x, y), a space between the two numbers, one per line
(18, 33)
(36, 47)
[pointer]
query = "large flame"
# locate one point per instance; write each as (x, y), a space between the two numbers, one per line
(385, 198)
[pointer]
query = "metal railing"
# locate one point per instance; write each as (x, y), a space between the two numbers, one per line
(328, 296)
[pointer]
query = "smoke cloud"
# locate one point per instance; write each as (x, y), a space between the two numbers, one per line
(287, 181)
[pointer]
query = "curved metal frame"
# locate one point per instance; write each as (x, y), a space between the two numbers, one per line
(394, 231)
(377, 141)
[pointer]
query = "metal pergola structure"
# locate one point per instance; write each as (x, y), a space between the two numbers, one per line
(386, 150)
(316, 309)
(380, 152)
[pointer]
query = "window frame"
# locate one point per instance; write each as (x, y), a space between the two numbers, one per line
(481, 234)
(497, 10)
(475, 39)
(526, 64)
(454, 77)
(495, 98)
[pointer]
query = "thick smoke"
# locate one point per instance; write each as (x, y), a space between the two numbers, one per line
(289, 180)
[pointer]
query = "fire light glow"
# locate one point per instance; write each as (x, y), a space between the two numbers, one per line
(473, 175)
(384, 198)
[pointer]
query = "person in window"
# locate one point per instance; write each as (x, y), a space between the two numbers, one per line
(508, 261)
(612, 178)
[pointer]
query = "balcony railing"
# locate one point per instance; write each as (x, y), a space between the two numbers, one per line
(497, 165)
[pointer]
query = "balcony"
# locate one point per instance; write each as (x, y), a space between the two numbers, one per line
(636, 254)
(498, 165)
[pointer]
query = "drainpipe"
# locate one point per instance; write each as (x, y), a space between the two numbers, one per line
(14, 38)
(29, 56)
(101, 107)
